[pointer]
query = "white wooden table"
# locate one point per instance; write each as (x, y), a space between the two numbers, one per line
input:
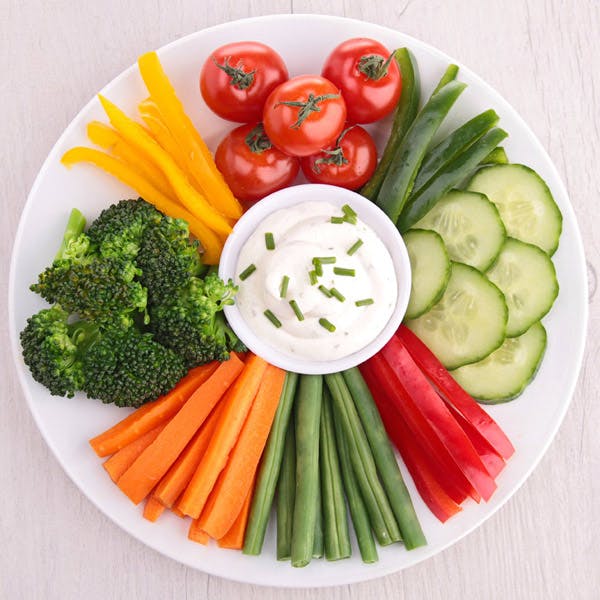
(543, 56)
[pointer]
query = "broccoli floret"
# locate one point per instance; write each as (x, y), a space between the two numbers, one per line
(52, 349)
(117, 365)
(128, 367)
(167, 258)
(99, 289)
(190, 323)
(119, 229)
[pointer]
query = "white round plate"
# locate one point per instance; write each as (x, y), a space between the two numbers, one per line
(531, 421)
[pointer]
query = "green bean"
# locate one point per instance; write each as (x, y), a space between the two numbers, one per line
(318, 542)
(286, 490)
(385, 459)
(381, 516)
(401, 175)
(449, 177)
(358, 510)
(449, 75)
(307, 415)
(451, 146)
(406, 110)
(335, 521)
(268, 472)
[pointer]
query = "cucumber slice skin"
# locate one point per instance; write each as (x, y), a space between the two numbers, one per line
(484, 182)
(419, 306)
(516, 252)
(452, 358)
(470, 375)
(470, 207)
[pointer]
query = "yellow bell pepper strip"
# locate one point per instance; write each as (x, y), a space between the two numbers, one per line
(208, 239)
(183, 130)
(108, 139)
(164, 138)
(189, 197)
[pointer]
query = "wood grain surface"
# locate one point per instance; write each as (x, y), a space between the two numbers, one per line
(543, 56)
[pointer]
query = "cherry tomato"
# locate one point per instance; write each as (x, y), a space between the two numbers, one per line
(304, 114)
(368, 76)
(237, 78)
(252, 166)
(349, 163)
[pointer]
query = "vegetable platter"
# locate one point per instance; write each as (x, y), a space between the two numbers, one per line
(67, 424)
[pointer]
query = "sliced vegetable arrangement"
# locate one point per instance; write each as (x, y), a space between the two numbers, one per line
(219, 436)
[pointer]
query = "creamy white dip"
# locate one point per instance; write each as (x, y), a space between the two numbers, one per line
(301, 233)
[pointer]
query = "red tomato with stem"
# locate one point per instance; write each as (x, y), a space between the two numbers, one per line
(304, 114)
(350, 163)
(237, 78)
(368, 76)
(252, 166)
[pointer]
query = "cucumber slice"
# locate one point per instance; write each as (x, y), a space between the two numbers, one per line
(525, 203)
(527, 278)
(430, 267)
(506, 372)
(470, 226)
(469, 321)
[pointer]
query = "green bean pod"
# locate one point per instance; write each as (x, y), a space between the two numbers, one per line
(335, 520)
(307, 420)
(358, 510)
(319, 543)
(401, 175)
(449, 177)
(451, 146)
(385, 459)
(286, 492)
(406, 111)
(497, 156)
(449, 75)
(381, 515)
(268, 472)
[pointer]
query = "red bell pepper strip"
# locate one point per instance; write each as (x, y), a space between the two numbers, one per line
(493, 462)
(427, 401)
(448, 474)
(454, 394)
(426, 482)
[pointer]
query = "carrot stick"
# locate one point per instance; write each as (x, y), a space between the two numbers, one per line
(235, 481)
(153, 509)
(234, 538)
(177, 478)
(151, 465)
(177, 512)
(236, 406)
(196, 534)
(150, 415)
(121, 460)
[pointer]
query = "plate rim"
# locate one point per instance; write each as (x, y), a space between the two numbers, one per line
(369, 572)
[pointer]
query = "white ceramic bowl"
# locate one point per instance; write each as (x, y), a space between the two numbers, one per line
(370, 214)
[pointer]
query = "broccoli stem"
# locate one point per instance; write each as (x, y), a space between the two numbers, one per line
(74, 228)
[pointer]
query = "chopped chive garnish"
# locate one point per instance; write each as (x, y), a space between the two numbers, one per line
(350, 219)
(269, 314)
(318, 269)
(283, 288)
(312, 275)
(349, 211)
(296, 310)
(327, 325)
(269, 241)
(247, 272)
(364, 302)
(325, 291)
(344, 272)
(324, 260)
(337, 220)
(336, 294)
(357, 244)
